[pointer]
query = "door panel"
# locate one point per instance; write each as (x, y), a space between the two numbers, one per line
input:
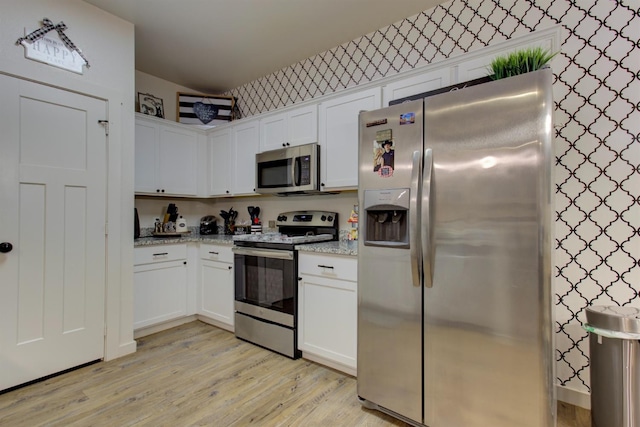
(53, 204)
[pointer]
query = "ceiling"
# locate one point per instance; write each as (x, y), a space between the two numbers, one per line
(215, 45)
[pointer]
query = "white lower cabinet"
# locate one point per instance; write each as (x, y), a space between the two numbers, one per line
(160, 284)
(215, 298)
(327, 309)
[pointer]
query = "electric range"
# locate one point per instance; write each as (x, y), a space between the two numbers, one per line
(266, 278)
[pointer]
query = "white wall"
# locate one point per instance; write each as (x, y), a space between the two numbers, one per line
(102, 37)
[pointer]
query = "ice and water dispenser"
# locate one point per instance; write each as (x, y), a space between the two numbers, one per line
(386, 218)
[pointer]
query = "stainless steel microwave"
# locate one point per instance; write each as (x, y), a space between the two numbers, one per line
(291, 170)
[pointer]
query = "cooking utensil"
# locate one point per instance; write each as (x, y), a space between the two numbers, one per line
(172, 211)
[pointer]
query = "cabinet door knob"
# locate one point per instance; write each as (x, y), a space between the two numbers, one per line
(5, 247)
(229, 267)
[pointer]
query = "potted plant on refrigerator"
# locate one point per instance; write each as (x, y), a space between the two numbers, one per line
(520, 62)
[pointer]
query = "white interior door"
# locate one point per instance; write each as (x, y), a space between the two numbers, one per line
(52, 211)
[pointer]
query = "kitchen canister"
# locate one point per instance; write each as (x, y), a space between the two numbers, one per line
(256, 228)
(181, 225)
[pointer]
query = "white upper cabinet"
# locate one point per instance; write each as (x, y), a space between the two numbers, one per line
(420, 83)
(246, 144)
(166, 158)
(146, 157)
(338, 137)
(290, 128)
(219, 162)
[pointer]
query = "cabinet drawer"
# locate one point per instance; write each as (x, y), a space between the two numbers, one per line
(159, 253)
(333, 266)
(216, 253)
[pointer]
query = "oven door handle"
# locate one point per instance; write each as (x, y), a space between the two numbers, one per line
(265, 253)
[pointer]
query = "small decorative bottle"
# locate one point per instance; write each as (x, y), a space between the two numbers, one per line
(157, 227)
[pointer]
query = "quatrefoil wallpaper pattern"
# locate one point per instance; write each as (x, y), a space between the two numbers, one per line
(597, 98)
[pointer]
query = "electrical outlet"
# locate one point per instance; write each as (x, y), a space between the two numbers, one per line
(272, 224)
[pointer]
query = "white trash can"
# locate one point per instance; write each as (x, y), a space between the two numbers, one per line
(614, 347)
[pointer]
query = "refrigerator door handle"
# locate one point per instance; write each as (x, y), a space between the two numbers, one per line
(427, 219)
(414, 219)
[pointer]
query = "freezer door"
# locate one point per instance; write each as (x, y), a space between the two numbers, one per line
(487, 323)
(389, 302)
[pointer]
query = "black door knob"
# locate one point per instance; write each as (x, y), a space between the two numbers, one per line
(5, 247)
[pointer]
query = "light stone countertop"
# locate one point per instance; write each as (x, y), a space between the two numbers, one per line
(344, 247)
(193, 237)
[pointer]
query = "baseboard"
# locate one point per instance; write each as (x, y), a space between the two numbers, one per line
(142, 332)
(573, 397)
(330, 363)
(215, 323)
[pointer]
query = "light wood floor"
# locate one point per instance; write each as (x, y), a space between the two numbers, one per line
(197, 374)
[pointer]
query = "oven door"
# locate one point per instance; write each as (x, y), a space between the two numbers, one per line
(265, 284)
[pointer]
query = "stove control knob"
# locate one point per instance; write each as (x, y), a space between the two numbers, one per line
(282, 218)
(323, 218)
(330, 218)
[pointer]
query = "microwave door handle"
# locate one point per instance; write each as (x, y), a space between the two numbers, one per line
(294, 171)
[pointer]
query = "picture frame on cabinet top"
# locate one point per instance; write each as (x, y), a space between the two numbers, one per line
(205, 110)
(150, 105)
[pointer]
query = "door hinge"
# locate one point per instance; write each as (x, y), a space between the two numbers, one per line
(105, 124)
(106, 228)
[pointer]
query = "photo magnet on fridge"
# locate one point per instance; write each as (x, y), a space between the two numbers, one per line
(383, 157)
(407, 118)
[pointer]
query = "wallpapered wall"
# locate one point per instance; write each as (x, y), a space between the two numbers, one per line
(596, 93)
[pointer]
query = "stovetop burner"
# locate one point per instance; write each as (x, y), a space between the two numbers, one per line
(296, 227)
(283, 238)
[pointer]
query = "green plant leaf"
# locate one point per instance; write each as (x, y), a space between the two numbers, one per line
(520, 62)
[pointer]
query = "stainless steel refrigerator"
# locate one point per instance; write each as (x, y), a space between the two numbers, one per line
(454, 268)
